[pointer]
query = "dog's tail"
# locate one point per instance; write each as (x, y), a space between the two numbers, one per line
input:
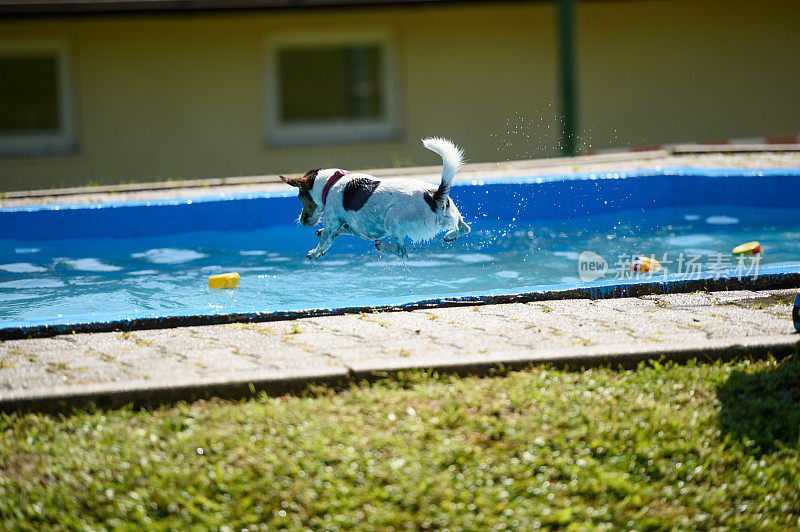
(452, 159)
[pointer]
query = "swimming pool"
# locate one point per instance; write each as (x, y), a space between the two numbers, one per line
(146, 264)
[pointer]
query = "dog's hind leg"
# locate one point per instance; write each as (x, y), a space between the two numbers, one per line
(392, 224)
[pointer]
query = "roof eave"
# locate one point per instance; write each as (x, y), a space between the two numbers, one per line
(94, 7)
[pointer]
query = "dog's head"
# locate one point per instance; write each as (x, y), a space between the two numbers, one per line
(312, 211)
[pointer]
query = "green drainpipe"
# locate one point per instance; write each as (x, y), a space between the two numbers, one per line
(566, 42)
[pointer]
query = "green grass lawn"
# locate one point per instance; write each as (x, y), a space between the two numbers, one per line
(708, 446)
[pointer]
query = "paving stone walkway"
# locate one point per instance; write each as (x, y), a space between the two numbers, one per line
(232, 360)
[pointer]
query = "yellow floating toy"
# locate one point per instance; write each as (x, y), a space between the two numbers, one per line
(645, 264)
(749, 248)
(224, 280)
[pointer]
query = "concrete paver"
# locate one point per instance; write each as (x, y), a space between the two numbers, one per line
(226, 359)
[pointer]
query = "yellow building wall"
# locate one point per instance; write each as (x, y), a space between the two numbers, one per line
(679, 71)
(182, 96)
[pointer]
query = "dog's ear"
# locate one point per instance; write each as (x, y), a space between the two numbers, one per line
(293, 181)
(306, 182)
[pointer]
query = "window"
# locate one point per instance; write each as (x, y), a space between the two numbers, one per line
(330, 88)
(35, 107)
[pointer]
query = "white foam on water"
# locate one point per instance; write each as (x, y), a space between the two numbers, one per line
(21, 297)
(688, 252)
(508, 274)
(334, 263)
(383, 263)
(472, 258)
(691, 240)
(571, 255)
(22, 267)
(424, 263)
(88, 281)
(89, 265)
(391, 279)
(691, 217)
(27, 250)
(408, 263)
(275, 258)
(33, 283)
(144, 272)
(169, 255)
(464, 280)
(722, 220)
(252, 252)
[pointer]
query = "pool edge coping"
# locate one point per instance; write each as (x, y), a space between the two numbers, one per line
(273, 179)
(516, 178)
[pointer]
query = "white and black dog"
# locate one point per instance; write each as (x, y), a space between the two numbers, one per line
(396, 209)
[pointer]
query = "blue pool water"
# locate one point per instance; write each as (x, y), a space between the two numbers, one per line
(526, 236)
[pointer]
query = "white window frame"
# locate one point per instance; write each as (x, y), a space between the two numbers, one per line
(21, 144)
(382, 128)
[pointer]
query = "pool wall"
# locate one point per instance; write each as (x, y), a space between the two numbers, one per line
(527, 198)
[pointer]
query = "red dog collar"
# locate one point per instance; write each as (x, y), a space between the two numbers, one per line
(337, 175)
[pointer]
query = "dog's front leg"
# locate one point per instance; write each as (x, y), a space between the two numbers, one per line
(325, 241)
(344, 230)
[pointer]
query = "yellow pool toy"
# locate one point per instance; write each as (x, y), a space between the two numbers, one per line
(224, 280)
(645, 264)
(748, 248)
